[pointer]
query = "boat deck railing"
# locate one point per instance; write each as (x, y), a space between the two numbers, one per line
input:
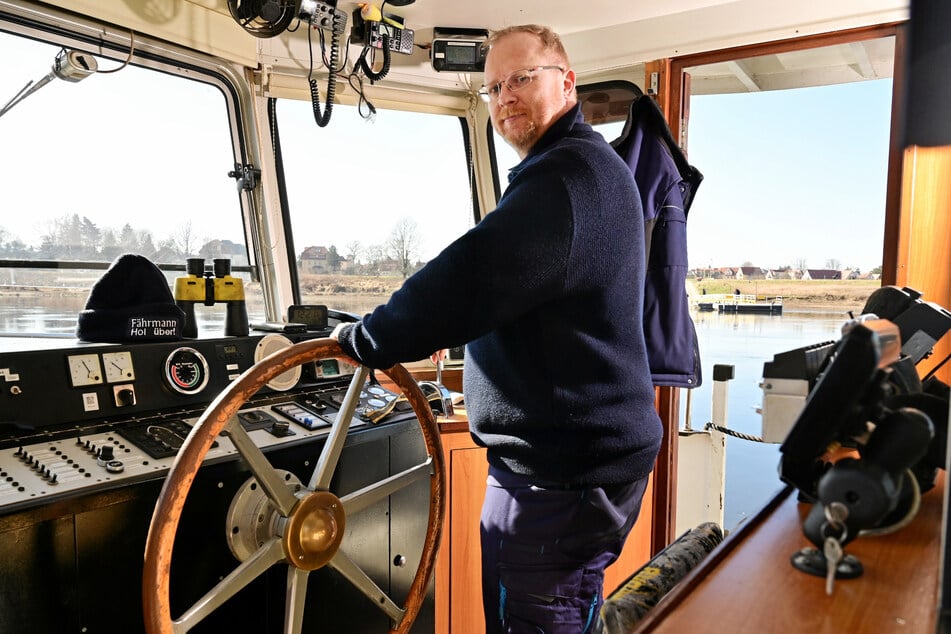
(737, 298)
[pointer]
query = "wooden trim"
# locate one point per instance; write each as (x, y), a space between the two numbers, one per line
(663, 524)
(662, 68)
(678, 64)
(893, 186)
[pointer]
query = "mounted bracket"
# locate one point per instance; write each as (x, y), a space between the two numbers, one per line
(246, 176)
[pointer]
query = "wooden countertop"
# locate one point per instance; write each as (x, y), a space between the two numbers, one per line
(458, 422)
(748, 584)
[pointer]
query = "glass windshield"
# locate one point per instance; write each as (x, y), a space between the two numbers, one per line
(370, 201)
(131, 161)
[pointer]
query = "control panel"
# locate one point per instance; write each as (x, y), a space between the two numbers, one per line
(87, 417)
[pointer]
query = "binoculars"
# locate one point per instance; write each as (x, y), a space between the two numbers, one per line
(210, 286)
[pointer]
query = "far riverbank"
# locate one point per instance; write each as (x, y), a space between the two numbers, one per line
(844, 295)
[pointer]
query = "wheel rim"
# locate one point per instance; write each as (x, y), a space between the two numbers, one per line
(315, 521)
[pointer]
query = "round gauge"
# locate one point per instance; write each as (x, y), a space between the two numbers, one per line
(186, 371)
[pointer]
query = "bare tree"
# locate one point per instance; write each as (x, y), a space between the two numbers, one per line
(375, 254)
(800, 264)
(185, 239)
(333, 259)
(404, 244)
(833, 264)
(354, 251)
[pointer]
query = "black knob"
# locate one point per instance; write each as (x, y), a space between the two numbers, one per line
(105, 455)
(125, 397)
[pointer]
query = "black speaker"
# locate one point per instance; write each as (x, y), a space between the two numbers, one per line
(928, 89)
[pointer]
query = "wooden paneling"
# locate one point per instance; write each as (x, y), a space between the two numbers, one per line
(638, 549)
(459, 563)
(924, 254)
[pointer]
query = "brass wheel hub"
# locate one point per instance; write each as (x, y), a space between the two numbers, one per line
(314, 530)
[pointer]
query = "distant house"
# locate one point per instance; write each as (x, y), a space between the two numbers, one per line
(750, 273)
(821, 274)
(234, 251)
(784, 273)
(726, 273)
(712, 273)
(316, 260)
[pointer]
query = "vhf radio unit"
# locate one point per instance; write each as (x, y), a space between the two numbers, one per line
(208, 287)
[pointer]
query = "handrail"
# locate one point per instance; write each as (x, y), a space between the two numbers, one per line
(733, 298)
(94, 265)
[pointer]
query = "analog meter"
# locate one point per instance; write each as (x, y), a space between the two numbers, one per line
(84, 369)
(186, 371)
(118, 366)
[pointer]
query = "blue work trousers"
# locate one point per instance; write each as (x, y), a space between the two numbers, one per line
(544, 551)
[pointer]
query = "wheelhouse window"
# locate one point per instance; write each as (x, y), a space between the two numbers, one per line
(371, 201)
(101, 164)
(603, 104)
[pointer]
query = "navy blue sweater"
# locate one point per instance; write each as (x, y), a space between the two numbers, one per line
(547, 292)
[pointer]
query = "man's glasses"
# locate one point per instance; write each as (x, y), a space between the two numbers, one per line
(514, 82)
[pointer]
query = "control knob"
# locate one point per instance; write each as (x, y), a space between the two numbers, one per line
(105, 455)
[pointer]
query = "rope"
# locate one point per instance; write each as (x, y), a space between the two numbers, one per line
(735, 434)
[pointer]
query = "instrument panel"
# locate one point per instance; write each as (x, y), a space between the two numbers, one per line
(89, 417)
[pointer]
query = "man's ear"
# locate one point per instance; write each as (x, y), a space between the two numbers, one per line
(569, 83)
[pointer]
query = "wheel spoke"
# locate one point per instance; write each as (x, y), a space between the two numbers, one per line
(276, 495)
(249, 570)
(327, 464)
(355, 575)
(371, 494)
(296, 596)
(273, 484)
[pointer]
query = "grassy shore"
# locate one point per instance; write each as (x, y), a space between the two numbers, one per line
(838, 294)
(827, 294)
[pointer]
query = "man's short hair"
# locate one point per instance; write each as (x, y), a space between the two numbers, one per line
(550, 40)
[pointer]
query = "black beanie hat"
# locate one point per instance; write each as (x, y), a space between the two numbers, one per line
(131, 302)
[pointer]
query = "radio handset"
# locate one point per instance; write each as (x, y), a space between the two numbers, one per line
(210, 287)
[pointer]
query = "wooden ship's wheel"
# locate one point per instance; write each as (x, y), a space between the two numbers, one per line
(307, 521)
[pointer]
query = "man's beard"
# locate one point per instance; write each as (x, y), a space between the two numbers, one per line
(521, 139)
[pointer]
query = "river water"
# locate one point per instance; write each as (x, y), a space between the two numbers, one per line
(746, 342)
(743, 341)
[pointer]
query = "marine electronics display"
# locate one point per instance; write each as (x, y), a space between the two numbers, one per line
(872, 435)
